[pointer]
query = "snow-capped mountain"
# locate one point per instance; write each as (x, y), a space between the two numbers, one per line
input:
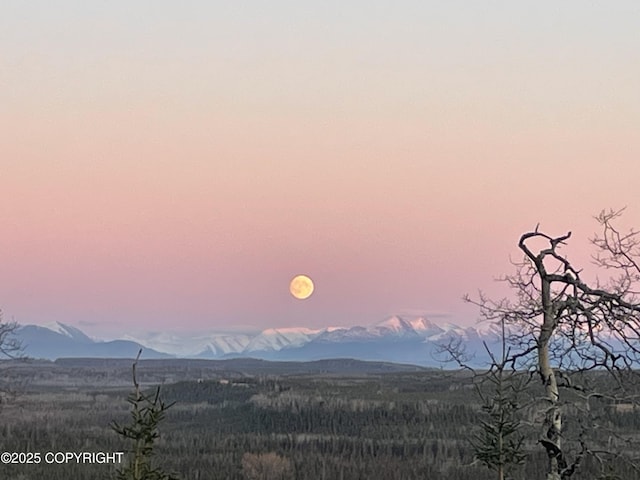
(391, 328)
(225, 344)
(425, 327)
(394, 326)
(209, 345)
(395, 339)
(450, 330)
(275, 339)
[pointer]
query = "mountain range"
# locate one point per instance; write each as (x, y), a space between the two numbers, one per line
(395, 339)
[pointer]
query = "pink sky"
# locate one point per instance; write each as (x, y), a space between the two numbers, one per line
(175, 166)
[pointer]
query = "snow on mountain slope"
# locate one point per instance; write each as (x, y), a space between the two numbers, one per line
(190, 344)
(68, 331)
(393, 326)
(226, 344)
(340, 335)
(274, 339)
(450, 330)
(425, 327)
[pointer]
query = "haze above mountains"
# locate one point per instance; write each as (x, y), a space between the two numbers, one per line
(396, 339)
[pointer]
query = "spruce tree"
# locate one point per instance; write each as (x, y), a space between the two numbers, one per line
(147, 411)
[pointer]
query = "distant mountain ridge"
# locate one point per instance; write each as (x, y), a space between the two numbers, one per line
(396, 339)
(59, 340)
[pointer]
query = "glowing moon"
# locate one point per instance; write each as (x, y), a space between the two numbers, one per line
(301, 287)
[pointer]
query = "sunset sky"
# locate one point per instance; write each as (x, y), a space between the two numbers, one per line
(172, 165)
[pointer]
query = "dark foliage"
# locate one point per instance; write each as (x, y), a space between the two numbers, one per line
(398, 426)
(147, 411)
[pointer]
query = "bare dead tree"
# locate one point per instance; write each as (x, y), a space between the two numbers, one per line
(11, 348)
(581, 340)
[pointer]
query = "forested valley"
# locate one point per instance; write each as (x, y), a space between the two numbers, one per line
(237, 423)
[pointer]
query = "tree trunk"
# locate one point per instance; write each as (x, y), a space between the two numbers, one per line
(551, 432)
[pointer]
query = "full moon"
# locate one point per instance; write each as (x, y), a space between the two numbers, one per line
(301, 287)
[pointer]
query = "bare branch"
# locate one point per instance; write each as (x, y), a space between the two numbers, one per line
(572, 333)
